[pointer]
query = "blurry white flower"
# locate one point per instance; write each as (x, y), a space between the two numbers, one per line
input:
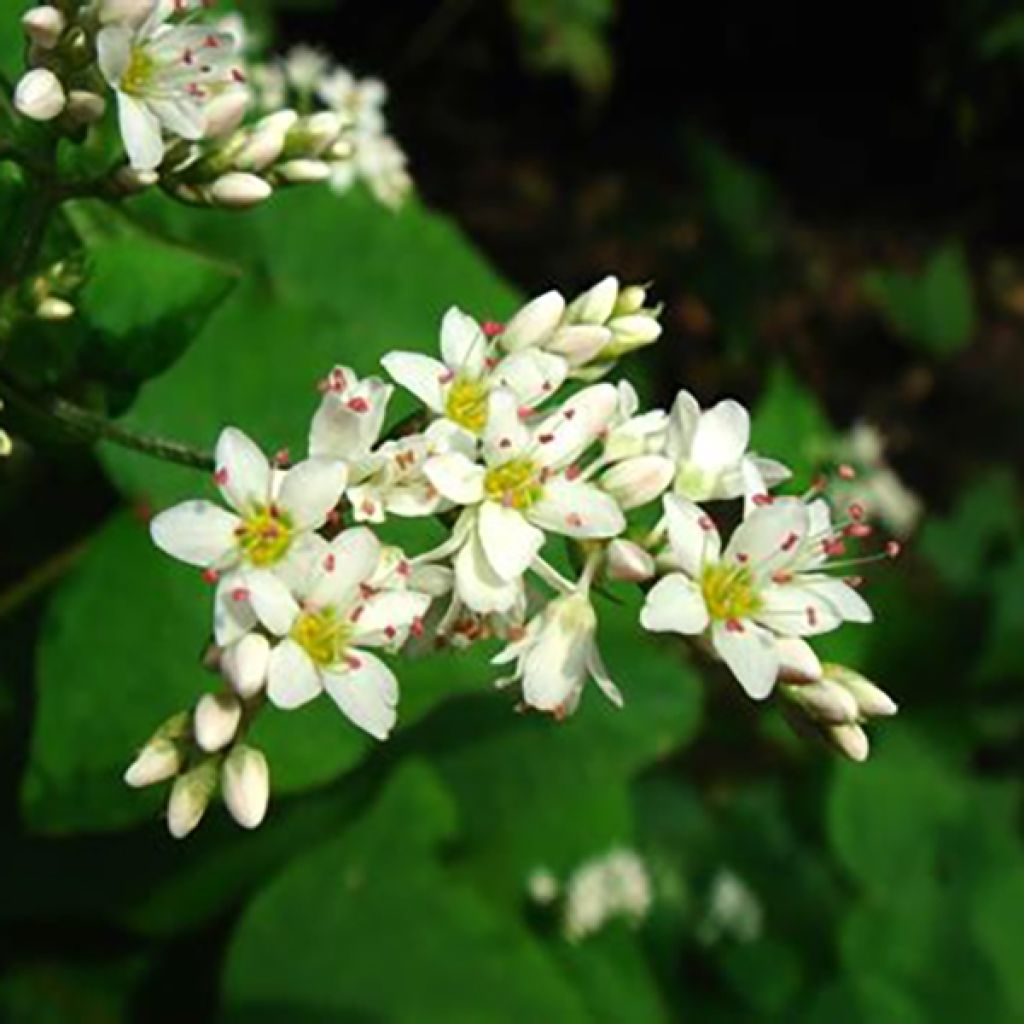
(305, 67)
(611, 887)
(733, 911)
(542, 886)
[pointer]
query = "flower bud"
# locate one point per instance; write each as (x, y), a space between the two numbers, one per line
(238, 191)
(44, 26)
(849, 740)
(319, 132)
(85, 107)
(39, 95)
(53, 310)
(534, 323)
(245, 784)
(190, 796)
(216, 720)
(872, 701)
(629, 562)
(596, 305)
(630, 300)
(265, 142)
(159, 760)
(579, 343)
(303, 172)
(823, 701)
(244, 664)
(434, 580)
(637, 481)
(631, 332)
(129, 181)
(224, 113)
(797, 661)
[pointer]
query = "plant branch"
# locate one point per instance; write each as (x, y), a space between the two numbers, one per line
(89, 426)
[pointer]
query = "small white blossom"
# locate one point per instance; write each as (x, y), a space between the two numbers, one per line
(616, 885)
(733, 911)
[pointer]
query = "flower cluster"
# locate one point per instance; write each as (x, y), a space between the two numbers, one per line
(519, 444)
(182, 92)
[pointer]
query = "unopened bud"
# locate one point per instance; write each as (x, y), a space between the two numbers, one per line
(245, 784)
(637, 481)
(631, 332)
(216, 720)
(238, 191)
(39, 95)
(245, 664)
(44, 26)
(434, 580)
(54, 310)
(797, 661)
(535, 323)
(224, 113)
(319, 132)
(629, 562)
(630, 300)
(303, 172)
(872, 701)
(579, 343)
(849, 740)
(595, 305)
(85, 107)
(159, 760)
(190, 796)
(823, 701)
(265, 142)
(130, 181)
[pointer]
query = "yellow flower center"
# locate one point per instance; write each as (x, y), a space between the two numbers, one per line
(323, 636)
(467, 404)
(729, 592)
(139, 73)
(515, 484)
(264, 536)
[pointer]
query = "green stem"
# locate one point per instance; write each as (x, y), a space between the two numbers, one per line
(88, 426)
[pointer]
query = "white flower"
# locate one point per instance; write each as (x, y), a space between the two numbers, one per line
(351, 415)
(459, 387)
(272, 526)
(322, 640)
(528, 485)
(556, 654)
(709, 450)
(360, 101)
(734, 911)
(384, 166)
(304, 67)
(616, 885)
(163, 76)
(770, 581)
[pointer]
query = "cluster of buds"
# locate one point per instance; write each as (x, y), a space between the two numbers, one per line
(51, 294)
(833, 703)
(518, 443)
(344, 114)
(196, 751)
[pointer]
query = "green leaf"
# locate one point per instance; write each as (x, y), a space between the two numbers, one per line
(789, 421)
(371, 926)
(935, 308)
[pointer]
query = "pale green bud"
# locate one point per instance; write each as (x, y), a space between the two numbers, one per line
(190, 796)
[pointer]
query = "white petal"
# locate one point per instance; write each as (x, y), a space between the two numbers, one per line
(596, 667)
(531, 375)
(508, 540)
(722, 436)
(797, 660)
(639, 480)
(751, 654)
(534, 323)
(272, 601)
(349, 561)
(233, 615)
(579, 343)
(292, 678)
(456, 478)
(296, 568)
(770, 538)
(243, 472)
(196, 532)
(566, 434)
(692, 535)
(180, 116)
(478, 585)
(463, 345)
(420, 374)
(505, 436)
(577, 509)
(682, 425)
(114, 52)
(808, 607)
(385, 615)
(675, 605)
(141, 133)
(366, 694)
(596, 304)
(349, 420)
(311, 490)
